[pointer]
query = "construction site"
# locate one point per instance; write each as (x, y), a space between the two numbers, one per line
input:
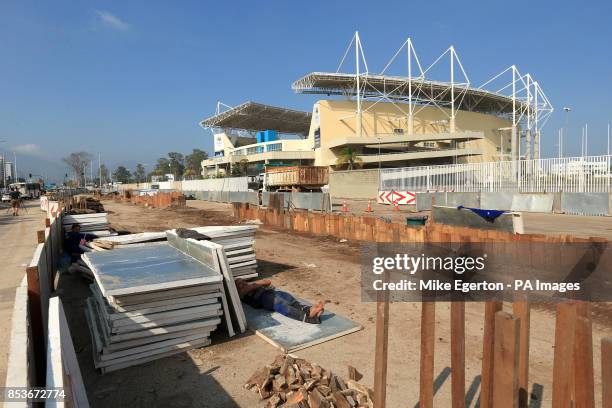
(263, 290)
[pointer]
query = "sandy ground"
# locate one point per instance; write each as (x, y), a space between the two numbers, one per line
(18, 241)
(312, 268)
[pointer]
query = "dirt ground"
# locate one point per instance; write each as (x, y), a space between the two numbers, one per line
(311, 268)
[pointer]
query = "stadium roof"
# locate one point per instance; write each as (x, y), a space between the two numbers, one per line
(397, 88)
(253, 116)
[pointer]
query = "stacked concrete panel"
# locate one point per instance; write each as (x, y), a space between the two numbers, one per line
(153, 301)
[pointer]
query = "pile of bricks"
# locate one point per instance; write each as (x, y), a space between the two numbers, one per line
(296, 383)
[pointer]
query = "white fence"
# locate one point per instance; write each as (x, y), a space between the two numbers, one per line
(569, 174)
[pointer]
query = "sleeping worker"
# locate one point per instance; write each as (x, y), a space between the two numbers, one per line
(262, 295)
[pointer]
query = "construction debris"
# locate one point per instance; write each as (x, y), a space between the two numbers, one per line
(151, 301)
(294, 382)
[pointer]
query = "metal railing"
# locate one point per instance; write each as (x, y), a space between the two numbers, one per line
(569, 174)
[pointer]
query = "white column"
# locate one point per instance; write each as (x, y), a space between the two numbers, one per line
(359, 113)
(452, 72)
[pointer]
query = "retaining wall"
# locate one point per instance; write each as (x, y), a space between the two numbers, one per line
(570, 203)
(542, 203)
(375, 229)
(586, 203)
(496, 201)
(354, 184)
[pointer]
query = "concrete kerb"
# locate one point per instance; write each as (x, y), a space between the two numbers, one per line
(465, 199)
(586, 203)
(423, 200)
(496, 201)
(542, 203)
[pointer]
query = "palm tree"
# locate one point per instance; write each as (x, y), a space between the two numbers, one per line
(349, 158)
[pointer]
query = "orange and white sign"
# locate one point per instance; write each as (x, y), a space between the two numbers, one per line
(401, 197)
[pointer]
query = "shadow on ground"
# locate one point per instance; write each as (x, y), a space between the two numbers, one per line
(535, 400)
(175, 381)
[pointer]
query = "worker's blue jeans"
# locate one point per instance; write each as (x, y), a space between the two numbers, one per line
(287, 305)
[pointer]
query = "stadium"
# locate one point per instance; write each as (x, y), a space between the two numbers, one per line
(386, 119)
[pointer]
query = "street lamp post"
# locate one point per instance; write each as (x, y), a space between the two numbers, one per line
(566, 131)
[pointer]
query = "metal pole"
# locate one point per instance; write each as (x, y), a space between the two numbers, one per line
(357, 45)
(513, 150)
(586, 139)
(410, 107)
(15, 165)
(452, 75)
(528, 131)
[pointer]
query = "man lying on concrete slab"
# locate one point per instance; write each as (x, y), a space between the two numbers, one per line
(262, 295)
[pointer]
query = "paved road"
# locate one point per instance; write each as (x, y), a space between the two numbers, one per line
(17, 243)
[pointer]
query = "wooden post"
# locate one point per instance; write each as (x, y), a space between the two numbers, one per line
(506, 353)
(563, 364)
(584, 382)
(521, 310)
(458, 354)
(488, 340)
(36, 320)
(382, 346)
(428, 321)
(606, 373)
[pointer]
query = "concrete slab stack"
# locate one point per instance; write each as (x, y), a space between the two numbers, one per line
(96, 224)
(153, 301)
(238, 246)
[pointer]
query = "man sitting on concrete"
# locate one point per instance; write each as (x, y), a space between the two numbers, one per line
(72, 245)
(262, 295)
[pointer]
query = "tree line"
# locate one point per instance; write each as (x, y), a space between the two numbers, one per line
(182, 167)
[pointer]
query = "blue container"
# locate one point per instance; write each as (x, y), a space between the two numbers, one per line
(261, 137)
(270, 136)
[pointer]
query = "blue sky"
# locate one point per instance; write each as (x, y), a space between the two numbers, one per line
(131, 80)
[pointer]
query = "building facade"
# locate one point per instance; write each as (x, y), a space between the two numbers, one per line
(386, 139)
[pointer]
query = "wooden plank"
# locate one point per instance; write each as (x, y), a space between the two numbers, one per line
(563, 364)
(606, 372)
(506, 353)
(584, 382)
(36, 320)
(488, 340)
(428, 321)
(458, 354)
(381, 350)
(521, 310)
